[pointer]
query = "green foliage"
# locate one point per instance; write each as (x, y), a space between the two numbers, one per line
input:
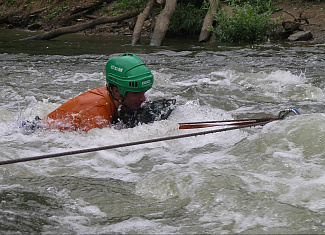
(123, 5)
(245, 25)
(29, 4)
(195, 3)
(263, 5)
(54, 11)
(9, 2)
(187, 19)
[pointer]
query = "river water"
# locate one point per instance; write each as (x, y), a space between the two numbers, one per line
(257, 180)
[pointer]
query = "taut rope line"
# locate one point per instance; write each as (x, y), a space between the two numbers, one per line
(53, 155)
(258, 122)
(230, 120)
(195, 125)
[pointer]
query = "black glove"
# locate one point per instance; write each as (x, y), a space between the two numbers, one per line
(148, 113)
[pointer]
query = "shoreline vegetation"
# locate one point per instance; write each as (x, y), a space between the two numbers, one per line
(225, 21)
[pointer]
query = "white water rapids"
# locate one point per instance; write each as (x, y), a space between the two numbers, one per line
(258, 180)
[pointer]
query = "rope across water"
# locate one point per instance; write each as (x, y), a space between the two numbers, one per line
(67, 153)
(242, 123)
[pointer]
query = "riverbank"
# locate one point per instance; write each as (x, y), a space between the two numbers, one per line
(310, 13)
(45, 16)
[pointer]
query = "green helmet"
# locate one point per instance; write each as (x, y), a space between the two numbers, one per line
(128, 73)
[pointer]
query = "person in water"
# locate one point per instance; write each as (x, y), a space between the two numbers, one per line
(127, 80)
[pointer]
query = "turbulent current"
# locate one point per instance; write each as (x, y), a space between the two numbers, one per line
(257, 180)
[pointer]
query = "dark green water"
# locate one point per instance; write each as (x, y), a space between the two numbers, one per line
(76, 44)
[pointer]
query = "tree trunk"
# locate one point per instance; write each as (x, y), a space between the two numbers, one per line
(208, 21)
(79, 27)
(140, 21)
(162, 23)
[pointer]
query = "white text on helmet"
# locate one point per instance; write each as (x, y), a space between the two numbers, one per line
(146, 82)
(117, 68)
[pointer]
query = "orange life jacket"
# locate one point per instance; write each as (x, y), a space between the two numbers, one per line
(92, 109)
